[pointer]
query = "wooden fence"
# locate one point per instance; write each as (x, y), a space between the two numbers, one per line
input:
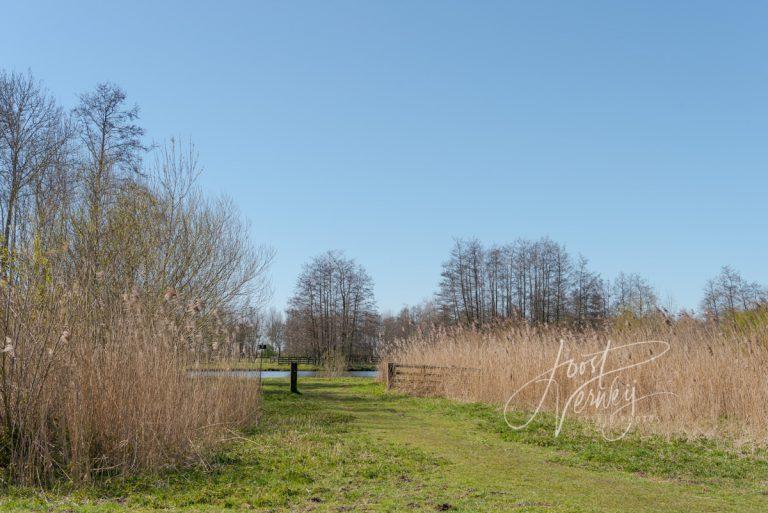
(284, 360)
(312, 360)
(427, 380)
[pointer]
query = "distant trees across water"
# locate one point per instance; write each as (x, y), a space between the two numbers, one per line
(538, 282)
(333, 311)
(535, 282)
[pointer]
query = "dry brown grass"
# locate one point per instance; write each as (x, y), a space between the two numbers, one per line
(717, 374)
(96, 387)
(333, 364)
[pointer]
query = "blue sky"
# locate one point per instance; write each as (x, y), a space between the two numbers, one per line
(636, 135)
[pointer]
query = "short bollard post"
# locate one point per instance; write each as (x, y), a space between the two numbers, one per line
(390, 375)
(294, 377)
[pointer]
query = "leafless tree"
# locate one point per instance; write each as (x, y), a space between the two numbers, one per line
(333, 309)
(201, 246)
(526, 280)
(729, 292)
(33, 136)
(632, 294)
(408, 322)
(112, 150)
(589, 296)
(275, 330)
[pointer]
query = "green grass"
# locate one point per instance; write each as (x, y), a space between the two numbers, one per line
(346, 445)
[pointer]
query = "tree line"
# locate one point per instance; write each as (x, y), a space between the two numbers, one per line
(536, 281)
(529, 281)
(539, 282)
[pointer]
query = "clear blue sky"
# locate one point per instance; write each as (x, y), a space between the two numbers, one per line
(635, 134)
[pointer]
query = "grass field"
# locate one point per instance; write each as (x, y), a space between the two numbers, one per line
(346, 445)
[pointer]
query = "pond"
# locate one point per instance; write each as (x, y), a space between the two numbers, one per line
(281, 374)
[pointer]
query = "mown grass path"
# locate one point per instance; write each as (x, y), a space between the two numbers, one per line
(346, 445)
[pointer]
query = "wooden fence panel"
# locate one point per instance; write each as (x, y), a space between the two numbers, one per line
(426, 380)
(311, 360)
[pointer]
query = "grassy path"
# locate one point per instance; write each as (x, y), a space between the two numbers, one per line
(345, 445)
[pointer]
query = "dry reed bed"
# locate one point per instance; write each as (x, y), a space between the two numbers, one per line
(711, 382)
(88, 390)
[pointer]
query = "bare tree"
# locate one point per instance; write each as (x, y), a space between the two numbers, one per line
(589, 295)
(409, 321)
(112, 145)
(462, 289)
(531, 280)
(632, 294)
(32, 138)
(333, 309)
(275, 330)
(729, 292)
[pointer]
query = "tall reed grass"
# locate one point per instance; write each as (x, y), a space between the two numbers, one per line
(710, 382)
(92, 386)
(333, 364)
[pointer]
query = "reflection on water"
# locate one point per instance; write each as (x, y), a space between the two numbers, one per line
(281, 374)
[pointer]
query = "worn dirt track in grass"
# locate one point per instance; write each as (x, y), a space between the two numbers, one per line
(484, 473)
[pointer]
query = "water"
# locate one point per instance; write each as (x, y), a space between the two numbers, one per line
(281, 374)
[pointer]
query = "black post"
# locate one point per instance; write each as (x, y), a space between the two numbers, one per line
(390, 375)
(294, 377)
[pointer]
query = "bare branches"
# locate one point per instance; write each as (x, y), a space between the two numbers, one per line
(33, 136)
(112, 147)
(333, 308)
(108, 131)
(115, 276)
(633, 295)
(729, 293)
(533, 281)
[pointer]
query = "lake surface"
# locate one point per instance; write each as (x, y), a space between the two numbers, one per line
(281, 374)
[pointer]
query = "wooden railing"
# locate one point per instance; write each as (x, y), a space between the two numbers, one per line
(284, 360)
(423, 379)
(312, 360)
